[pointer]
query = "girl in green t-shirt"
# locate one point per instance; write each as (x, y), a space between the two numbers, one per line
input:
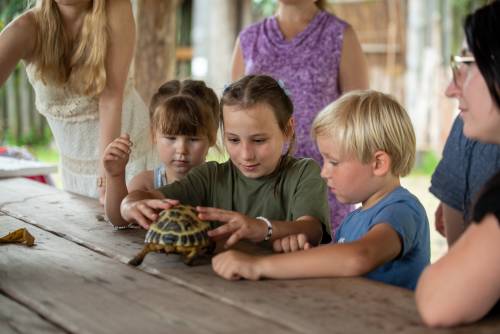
(261, 193)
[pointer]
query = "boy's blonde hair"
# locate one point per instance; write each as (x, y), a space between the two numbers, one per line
(80, 64)
(365, 121)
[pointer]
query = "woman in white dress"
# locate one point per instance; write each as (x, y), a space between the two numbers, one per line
(78, 54)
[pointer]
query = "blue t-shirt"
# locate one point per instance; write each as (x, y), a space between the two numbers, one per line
(464, 169)
(404, 213)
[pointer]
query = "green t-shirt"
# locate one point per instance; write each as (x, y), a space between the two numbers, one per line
(301, 191)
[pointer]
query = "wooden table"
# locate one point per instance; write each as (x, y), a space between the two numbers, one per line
(76, 280)
(13, 167)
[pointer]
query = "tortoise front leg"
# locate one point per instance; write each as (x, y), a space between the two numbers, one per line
(137, 260)
(189, 255)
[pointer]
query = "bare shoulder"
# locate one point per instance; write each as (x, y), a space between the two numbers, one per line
(350, 36)
(25, 21)
(142, 181)
(22, 31)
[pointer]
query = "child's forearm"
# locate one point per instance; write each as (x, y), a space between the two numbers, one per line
(338, 260)
(116, 190)
(310, 227)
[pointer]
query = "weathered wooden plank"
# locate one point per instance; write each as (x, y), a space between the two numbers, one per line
(336, 305)
(85, 292)
(17, 319)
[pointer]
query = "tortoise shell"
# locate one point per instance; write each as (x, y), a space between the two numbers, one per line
(177, 230)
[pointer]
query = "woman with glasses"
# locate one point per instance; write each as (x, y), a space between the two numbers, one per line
(465, 283)
(465, 167)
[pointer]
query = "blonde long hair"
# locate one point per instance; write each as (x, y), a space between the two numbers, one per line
(78, 63)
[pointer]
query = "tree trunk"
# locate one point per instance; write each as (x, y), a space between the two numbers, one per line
(12, 107)
(155, 50)
(215, 29)
(26, 113)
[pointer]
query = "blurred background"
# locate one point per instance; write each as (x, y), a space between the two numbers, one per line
(407, 44)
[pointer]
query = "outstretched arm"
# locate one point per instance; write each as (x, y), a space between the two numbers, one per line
(464, 284)
(119, 55)
(380, 245)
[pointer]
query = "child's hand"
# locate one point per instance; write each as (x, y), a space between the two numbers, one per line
(234, 265)
(145, 212)
(291, 243)
(116, 154)
(235, 224)
(439, 220)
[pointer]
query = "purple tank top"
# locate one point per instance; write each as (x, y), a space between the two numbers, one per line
(309, 66)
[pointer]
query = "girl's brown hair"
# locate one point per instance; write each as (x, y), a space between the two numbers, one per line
(78, 63)
(255, 89)
(187, 108)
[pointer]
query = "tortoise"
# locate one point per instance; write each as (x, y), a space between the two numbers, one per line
(177, 230)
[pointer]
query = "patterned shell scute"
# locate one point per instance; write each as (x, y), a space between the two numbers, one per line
(178, 226)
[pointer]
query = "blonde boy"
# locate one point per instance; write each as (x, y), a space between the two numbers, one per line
(367, 142)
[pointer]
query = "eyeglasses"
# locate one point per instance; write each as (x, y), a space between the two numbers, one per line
(455, 62)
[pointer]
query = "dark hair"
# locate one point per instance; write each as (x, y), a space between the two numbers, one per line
(186, 107)
(481, 31)
(487, 200)
(255, 89)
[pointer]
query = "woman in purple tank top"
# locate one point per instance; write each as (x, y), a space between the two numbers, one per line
(316, 55)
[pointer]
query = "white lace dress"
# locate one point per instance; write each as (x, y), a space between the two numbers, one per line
(74, 121)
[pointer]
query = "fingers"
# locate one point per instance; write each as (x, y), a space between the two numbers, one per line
(291, 243)
(277, 246)
(234, 238)
(223, 230)
(172, 202)
(162, 204)
(114, 153)
(225, 266)
(236, 224)
(234, 265)
(146, 212)
(294, 244)
(125, 136)
(214, 214)
(236, 233)
(301, 241)
(144, 215)
(141, 219)
(439, 221)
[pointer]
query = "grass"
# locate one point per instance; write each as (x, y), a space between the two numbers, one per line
(426, 163)
(45, 153)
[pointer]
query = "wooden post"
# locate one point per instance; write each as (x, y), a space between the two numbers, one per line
(12, 107)
(214, 34)
(155, 47)
(25, 113)
(3, 114)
